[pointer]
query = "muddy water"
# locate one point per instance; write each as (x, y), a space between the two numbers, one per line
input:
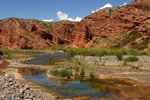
(69, 89)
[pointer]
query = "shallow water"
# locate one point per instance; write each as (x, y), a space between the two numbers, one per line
(44, 59)
(70, 89)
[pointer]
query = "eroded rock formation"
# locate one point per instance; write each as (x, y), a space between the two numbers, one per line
(20, 33)
(135, 16)
(26, 34)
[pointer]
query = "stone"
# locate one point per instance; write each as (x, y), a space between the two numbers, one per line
(21, 96)
(27, 87)
(6, 75)
(11, 89)
(12, 97)
(22, 91)
(10, 79)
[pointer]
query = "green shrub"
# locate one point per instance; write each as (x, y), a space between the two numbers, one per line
(69, 68)
(65, 73)
(131, 59)
(61, 73)
(119, 56)
(92, 76)
(82, 74)
(55, 73)
(76, 69)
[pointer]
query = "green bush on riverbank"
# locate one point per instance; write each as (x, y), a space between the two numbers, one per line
(70, 72)
(131, 59)
(61, 73)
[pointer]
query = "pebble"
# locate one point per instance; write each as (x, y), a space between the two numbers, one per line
(14, 89)
(27, 87)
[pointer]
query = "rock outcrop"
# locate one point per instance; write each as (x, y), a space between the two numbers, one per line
(91, 31)
(131, 18)
(26, 34)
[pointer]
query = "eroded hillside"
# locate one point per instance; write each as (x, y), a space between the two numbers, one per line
(122, 27)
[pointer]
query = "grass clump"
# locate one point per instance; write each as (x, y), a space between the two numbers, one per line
(55, 72)
(119, 56)
(131, 59)
(92, 76)
(82, 74)
(102, 52)
(61, 73)
(65, 73)
(99, 52)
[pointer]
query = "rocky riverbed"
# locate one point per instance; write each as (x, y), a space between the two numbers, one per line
(12, 88)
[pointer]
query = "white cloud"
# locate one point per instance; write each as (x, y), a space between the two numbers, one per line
(123, 4)
(48, 20)
(78, 19)
(108, 5)
(93, 11)
(64, 16)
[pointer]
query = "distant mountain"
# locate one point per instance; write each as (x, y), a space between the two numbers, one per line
(118, 27)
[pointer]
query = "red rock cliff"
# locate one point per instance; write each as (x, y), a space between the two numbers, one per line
(20, 33)
(26, 34)
(110, 21)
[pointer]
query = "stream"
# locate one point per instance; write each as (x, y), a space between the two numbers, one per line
(44, 59)
(65, 89)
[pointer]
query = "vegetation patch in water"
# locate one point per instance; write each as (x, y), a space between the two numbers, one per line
(57, 60)
(31, 71)
(62, 73)
(82, 74)
(72, 73)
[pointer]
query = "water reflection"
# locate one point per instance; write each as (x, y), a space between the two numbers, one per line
(71, 89)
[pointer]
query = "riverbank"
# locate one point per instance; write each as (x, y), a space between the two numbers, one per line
(14, 87)
(104, 72)
(110, 74)
(129, 72)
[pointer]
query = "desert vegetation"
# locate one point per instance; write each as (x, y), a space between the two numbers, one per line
(131, 59)
(99, 51)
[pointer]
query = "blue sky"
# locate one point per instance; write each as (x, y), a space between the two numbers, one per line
(48, 9)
